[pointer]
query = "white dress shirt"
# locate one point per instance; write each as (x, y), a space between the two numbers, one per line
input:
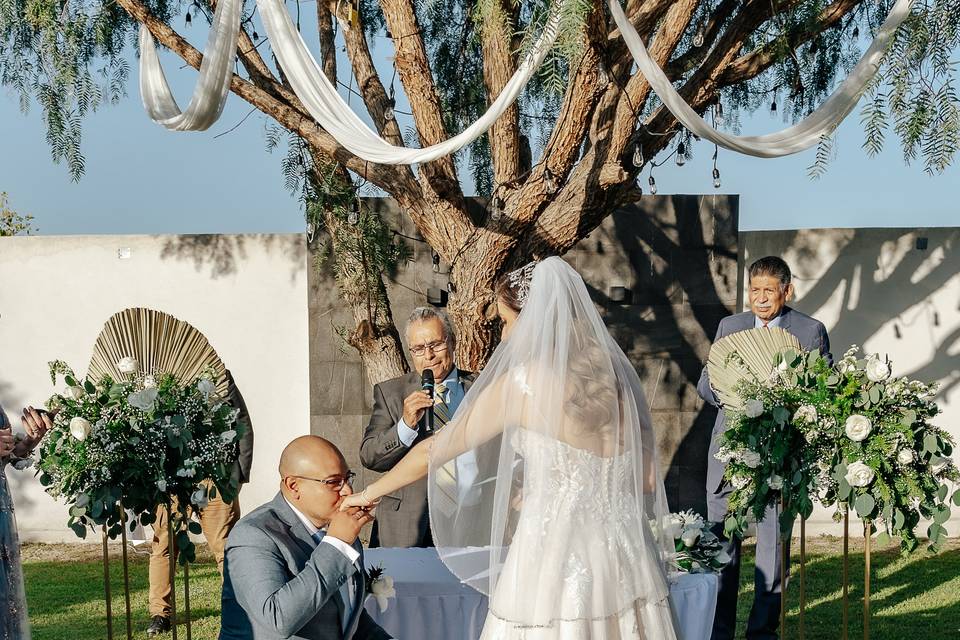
(758, 323)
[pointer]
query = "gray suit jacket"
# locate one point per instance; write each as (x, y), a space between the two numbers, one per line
(403, 519)
(278, 583)
(809, 331)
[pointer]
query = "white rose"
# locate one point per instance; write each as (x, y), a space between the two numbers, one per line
(775, 482)
(128, 365)
(877, 369)
(690, 536)
(199, 498)
(143, 400)
(857, 427)
(149, 382)
(382, 590)
(807, 413)
(228, 436)
(750, 458)
(162, 485)
(80, 428)
(74, 393)
(723, 557)
(739, 482)
(673, 526)
(206, 387)
(905, 456)
(753, 408)
(724, 454)
(859, 474)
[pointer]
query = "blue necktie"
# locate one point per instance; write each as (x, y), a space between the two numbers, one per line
(317, 537)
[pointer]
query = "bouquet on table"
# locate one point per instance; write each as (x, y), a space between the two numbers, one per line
(134, 443)
(696, 548)
(849, 436)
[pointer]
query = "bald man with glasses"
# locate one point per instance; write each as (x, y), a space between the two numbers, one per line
(398, 405)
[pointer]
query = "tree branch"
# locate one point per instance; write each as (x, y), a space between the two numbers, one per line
(499, 64)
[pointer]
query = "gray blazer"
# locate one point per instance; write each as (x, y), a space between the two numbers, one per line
(809, 331)
(278, 583)
(403, 519)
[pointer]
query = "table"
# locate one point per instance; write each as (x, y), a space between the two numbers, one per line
(432, 603)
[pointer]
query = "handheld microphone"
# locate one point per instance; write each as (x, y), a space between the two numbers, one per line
(426, 384)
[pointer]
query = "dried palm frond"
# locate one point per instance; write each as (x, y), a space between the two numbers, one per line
(745, 354)
(159, 343)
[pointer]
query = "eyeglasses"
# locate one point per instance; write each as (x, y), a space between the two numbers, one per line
(335, 483)
(435, 347)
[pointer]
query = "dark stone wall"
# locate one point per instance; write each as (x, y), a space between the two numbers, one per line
(677, 255)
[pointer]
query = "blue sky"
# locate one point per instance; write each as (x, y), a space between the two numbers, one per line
(141, 178)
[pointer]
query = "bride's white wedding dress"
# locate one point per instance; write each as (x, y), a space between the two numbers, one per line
(552, 524)
(576, 544)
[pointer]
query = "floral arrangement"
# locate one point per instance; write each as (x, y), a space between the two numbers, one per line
(147, 440)
(379, 586)
(848, 436)
(697, 549)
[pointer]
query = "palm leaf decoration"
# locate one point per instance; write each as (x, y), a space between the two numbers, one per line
(745, 354)
(160, 343)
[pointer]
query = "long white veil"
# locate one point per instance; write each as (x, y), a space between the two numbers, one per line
(558, 432)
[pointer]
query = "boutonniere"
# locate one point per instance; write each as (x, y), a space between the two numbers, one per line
(380, 586)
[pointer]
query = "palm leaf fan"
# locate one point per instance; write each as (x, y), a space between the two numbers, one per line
(745, 354)
(159, 343)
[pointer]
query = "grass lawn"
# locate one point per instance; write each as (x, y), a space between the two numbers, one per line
(917, 597)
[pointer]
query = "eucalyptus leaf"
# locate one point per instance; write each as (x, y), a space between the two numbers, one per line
(864, 505)
(883, 539)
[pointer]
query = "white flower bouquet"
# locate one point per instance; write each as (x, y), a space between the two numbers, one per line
(696, 548)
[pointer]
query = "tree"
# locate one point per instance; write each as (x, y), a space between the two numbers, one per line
(591, 122)
(11, 222)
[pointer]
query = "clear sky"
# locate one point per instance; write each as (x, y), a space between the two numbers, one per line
(140, 178)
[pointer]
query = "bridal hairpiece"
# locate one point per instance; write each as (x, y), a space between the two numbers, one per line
(520, 280)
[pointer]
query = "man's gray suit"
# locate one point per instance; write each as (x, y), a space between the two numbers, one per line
(765, 614)
(280, 583)
(403, 519)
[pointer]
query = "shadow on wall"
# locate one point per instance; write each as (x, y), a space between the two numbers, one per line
(871, 277)
(222, 253)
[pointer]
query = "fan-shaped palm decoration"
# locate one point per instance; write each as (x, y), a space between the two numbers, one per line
(745, 354)
(159, 343)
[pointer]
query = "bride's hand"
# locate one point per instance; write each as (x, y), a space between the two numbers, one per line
(361, 500)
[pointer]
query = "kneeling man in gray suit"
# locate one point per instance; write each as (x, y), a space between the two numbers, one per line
(769, 290)
(294, 567)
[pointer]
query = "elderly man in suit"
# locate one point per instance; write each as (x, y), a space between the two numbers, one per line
(769, 290)
(294, 566)
(398, 405)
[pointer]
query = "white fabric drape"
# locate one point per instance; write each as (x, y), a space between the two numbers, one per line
(800, 136)
(332, 113)
(216, 70)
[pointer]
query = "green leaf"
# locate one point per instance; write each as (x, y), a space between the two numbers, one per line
(70, 380)
(88, 387)
(781, 415)
(942, 515)
(909, 417)
(930, 444)
(832, 380)
(864, 505)
(955, 499)
(77, 512)
(875, 394)
(898, 519)
(843, 490)
(79, 530)
(942, 492)
(883, 539)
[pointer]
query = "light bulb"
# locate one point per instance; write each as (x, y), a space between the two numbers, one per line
(549, 182)
(496, 207)
(698, 37)
(436, 262)
(602, 76)
(256, 36)
(388, 114)
(773, 106)
(681, 154)
(856, 32)
(653, 185)
(716, 178)
(638, 156)
(188, 18)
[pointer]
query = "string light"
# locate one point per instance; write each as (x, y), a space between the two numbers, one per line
(856, 32)
(638, 156)
(718, 115)
(451, 288)
(773, 106)
(716, 171)
(187, 20)
(681, 154)
(353, 217)
(496, 207)
(436, 262)
(653, 184)
(698, 37)
(602, 76)
(256, 36)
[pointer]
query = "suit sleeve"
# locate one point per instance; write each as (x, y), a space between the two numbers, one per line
(265, 590)
(245, 446)
(703, 385)
(381, 448)
(824, 343)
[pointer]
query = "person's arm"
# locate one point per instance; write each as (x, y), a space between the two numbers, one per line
(703, 385)
(824, 340)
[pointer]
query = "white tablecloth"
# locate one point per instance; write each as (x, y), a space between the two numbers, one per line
(432, 604)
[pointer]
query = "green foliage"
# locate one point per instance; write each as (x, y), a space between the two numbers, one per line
(11, 222)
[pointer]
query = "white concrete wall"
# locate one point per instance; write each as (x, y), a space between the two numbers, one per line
(861, 283)
(246, 293)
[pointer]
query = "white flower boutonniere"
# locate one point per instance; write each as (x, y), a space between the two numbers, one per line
(380, 587)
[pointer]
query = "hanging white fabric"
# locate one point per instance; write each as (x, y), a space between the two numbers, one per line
(800, 136)
(216, 71)
(331, 112)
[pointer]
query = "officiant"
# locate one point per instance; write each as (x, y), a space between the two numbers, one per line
(395, 425)
(769, 290)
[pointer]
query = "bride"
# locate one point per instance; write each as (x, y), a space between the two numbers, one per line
(551, 464)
